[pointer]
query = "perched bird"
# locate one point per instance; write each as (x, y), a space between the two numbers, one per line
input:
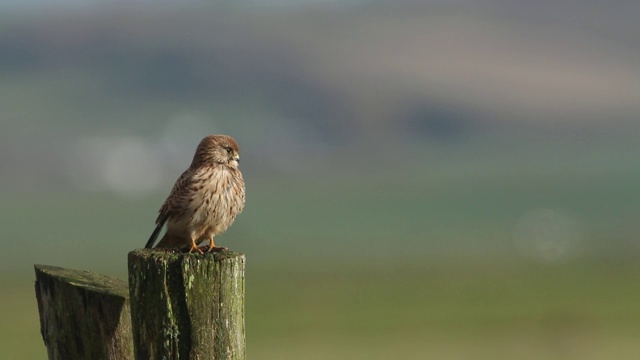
(205, 199)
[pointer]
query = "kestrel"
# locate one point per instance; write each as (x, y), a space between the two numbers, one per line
(205, 199)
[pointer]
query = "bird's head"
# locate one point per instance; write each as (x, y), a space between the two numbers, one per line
(218, 149)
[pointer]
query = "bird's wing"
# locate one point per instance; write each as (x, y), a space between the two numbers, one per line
(177, 193)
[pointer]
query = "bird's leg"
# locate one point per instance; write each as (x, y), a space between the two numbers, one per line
(194, 246)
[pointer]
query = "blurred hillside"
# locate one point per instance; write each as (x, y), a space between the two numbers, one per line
(331, 83)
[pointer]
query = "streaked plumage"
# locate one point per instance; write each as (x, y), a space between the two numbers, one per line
(205, 199)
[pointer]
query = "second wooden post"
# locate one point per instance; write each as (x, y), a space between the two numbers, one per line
(187, 306)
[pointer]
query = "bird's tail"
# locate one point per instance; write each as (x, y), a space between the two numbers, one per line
(156, 231)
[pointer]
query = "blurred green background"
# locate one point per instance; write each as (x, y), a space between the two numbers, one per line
(425, 180)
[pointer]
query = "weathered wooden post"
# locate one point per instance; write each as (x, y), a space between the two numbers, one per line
(176, 306)
(83, 315)
(187, 306)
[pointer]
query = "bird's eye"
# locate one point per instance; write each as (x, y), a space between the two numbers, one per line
(228, 150)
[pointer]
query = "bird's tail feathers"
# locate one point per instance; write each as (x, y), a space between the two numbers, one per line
(156, 231)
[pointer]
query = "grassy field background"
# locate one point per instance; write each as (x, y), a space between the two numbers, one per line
(586, 310)
(422, 266)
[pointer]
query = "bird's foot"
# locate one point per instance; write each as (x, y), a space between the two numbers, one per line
(196, 248)
(217, 249)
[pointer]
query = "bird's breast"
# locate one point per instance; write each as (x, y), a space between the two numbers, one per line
(219, 200)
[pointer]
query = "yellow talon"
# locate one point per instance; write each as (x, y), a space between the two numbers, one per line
(194, 246)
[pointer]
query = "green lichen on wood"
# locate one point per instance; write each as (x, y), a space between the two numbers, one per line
(83, 315)
(187, 306)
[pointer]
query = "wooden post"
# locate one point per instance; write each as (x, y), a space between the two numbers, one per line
(187, 306)
(83, 315)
